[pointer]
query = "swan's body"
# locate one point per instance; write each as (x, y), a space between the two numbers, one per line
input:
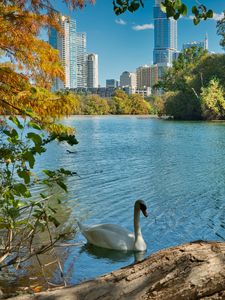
(115, 237)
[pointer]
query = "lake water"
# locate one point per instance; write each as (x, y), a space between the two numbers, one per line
(178, 168)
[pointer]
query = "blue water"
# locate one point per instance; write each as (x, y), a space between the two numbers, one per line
(176, 167)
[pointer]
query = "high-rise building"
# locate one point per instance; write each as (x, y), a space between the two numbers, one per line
(128, 79)
(73, 55)
(81, 59)
(112, 83)
(66, 44)
(92, 71)
(165, 39)
(147, 76)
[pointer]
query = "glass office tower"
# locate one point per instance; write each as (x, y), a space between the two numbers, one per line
(66, 43)
(81, 59)
(165, 39)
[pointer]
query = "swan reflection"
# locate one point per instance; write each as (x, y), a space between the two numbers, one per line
(112, 256)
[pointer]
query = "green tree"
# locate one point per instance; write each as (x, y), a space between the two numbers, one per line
(221, 30)
(138, 106)
(213, 101)
(179, 76)
(182, 106)
(158, 104)
(95, 105)
(122, 102)
(209, 66)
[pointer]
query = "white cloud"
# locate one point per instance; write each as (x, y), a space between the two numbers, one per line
(120, 22)
(218, 17)
(143, 27)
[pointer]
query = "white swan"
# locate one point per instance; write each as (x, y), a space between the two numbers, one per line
(115, 237)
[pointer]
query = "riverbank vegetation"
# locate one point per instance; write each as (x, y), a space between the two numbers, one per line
(194, 89)
(29, 224)
(119, 104)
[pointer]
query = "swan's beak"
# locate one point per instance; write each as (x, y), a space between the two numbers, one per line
(145, 213)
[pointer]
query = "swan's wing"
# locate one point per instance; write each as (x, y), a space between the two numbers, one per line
(109, 236)
(113, 228)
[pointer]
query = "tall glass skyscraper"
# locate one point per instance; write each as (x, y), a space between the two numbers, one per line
(81, 59)
(67, 45)
(72, 50)
(165, 39)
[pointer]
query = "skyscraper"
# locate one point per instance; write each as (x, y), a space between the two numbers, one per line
(165, 39)
(72, 50)
(66, 44)
(92, 71)
(128, 79)
(81, 59)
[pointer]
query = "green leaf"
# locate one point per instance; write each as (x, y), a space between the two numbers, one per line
(163, 7)
(54, 221)
(25, 174)
(209, 13)
(119, 2)
(16, 122)
(62, 185)
(35, 138)
(34, 125)
(183, 9)
(176, 16)
(177, 4)
(20, 189)
(13, 212)
(28, 156)
(133, 6)
(196, 21)
(49, 173)
(195, 11)
(65, 172)
(13, 134)
(170, 11)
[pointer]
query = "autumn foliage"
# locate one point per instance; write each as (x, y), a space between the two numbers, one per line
(30, 65)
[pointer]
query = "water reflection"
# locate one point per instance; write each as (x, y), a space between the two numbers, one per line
(178, 166)
(111, 256)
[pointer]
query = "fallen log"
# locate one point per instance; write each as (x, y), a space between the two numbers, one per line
(191, 271)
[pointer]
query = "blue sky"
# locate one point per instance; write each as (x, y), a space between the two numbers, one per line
(126, 42)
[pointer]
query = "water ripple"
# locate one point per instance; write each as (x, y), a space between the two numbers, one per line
(176, 167)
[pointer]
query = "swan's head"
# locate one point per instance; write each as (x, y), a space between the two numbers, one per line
(142, 206)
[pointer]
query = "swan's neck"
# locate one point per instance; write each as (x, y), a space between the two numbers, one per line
(137, 228)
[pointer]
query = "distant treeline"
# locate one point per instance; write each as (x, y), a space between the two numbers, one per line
(120, 103)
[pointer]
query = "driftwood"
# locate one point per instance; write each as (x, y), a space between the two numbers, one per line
(190, 271)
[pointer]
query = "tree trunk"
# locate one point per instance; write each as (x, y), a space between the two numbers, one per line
(191, 271)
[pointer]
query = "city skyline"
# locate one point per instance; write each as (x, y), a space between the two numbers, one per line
(126, 42)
